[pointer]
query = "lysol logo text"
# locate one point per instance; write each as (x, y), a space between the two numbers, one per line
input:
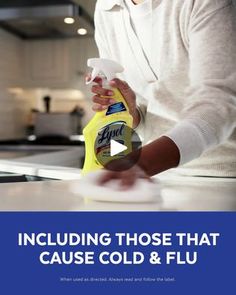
(109, 132)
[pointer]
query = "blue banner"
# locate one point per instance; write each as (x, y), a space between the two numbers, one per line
(117, 253)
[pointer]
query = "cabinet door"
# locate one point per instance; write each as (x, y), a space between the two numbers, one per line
(81, 50)
(46, 62)
(11, 63)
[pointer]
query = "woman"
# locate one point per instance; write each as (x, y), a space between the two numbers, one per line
(180, 72)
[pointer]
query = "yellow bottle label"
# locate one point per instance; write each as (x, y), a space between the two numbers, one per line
(113, 131)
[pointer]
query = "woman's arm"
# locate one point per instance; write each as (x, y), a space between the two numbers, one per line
(160, 155)
(209, 116)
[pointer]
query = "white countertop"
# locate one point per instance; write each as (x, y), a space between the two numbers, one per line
(178, 193)
(40, 170)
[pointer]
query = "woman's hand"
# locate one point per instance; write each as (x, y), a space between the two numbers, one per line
(156, 157)
(104, 97)
(127, 178)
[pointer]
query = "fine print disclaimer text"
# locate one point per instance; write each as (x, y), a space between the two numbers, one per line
(84, 280)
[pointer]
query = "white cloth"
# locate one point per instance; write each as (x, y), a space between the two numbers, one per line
(186, 83)
(142, 191)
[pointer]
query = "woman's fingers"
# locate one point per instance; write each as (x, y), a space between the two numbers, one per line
(122, 85)
(126, 92)
(101, 91)
(97, 79)
(127, 180)
(102, 96)
(103, 100)
(106, 177)
(98, 107)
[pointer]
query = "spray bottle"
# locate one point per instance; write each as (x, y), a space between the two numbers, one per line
(107, 122)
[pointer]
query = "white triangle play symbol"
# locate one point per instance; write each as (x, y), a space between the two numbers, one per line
(116, 148)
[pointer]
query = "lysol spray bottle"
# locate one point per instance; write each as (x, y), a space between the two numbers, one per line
(108, 124)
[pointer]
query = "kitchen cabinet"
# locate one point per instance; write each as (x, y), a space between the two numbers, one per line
(88, 5)
(58, 63)
(80, 52)
(11, 64)
(46, 62)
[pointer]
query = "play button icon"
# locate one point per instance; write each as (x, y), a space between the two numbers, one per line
(116, 148)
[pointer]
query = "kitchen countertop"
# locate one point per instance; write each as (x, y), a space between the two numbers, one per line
(40, 170)
(178, 193)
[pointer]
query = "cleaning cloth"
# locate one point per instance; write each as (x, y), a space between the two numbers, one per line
(142, 191)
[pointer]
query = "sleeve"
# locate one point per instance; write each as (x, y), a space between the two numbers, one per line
(209, 116)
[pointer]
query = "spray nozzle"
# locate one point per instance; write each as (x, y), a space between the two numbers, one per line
(107, 67)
